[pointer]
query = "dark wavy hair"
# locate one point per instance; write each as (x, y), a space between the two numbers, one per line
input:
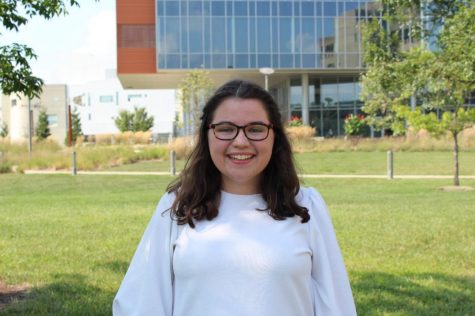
(198, 188)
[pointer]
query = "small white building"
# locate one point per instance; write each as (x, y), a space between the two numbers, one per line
(100, 102)
(52, 100)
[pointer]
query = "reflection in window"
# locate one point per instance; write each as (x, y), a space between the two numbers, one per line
(196, 35)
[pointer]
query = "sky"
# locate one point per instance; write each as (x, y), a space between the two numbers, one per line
(72, 49)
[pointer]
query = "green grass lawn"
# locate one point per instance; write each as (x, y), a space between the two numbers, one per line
(372, 163)
(409, 247)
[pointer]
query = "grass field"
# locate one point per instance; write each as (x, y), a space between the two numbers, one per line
(373, 163)
(409, 247)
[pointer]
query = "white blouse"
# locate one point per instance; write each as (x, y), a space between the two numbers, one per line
(243, 262)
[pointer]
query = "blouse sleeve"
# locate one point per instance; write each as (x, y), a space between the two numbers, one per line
(332, 291)
(147, 288)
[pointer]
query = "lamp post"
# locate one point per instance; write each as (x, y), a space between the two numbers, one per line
(266, 71)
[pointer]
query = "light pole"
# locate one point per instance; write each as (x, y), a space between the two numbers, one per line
(266, 71)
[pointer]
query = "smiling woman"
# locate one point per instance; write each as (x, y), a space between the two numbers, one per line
(236, 234)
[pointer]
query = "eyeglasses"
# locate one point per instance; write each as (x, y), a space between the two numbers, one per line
(229, 131)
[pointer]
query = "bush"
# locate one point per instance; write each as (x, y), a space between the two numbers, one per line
(295, 121)
(354, 125)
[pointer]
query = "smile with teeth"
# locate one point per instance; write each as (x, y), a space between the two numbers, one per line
(241, 157)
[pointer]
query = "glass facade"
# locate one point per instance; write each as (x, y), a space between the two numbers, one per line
(331, 99)
(317, 42)
(249, 34)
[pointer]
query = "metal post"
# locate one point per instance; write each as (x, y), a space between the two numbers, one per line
(267, 82)
(75, 170)
(30, 127)
(390, 165)
(173, 162)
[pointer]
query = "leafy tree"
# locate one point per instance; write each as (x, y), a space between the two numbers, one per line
(194, 89)
(42, 129)
(4, 130)
(124, 121)
(75, 125)
(15, 72)
(137, 121)
(438, 79)
(141, 121)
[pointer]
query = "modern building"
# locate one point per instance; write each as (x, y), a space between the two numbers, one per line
(100, 102)
(53, 100)
(314, 48)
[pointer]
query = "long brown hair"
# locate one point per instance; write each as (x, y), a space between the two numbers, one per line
(198, 188)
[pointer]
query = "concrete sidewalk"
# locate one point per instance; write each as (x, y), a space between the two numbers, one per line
(323, 176)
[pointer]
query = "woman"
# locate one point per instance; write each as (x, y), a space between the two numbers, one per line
(243, 237)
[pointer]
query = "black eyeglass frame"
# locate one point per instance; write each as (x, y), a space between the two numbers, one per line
(243, 127)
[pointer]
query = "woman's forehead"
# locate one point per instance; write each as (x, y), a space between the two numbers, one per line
(237, 109)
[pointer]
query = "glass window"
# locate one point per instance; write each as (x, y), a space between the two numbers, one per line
(172, 35)
(229, 39)
(308, 8)
(285, 38)
(184, 8)
(229, 8)
(14, 102)
(308, 35)
(308, 60)
(252, 8)
(240, 8)
(297, 36)
(106, 98)
(285, 8)
(219, 60)
(274, 8)
(184, 35)
(263, 60)
(263, 8)
(318, 8)
(252, 36)
(275, 34)
(196, 35)
(173, 61)
(351, 7)
(185, 61)
(218, 39)
(196, 61)
(242, 36)
(242, 61)
(329, 8)
(217, 8)
(329, 92)
(346, 92)
(172, 8)
(263, 35)
(296, 8)
(286, 61)
(195, 8)
(160, 8)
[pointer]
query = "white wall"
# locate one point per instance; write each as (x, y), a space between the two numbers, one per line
(97, 116)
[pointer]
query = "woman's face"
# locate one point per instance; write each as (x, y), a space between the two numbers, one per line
(240, 161)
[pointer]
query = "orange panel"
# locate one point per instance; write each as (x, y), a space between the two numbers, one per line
(136, 60)
(135, 11)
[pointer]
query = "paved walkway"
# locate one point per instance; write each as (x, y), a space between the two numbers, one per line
(323, 176)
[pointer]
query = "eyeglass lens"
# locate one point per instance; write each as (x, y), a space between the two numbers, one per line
(228, 131)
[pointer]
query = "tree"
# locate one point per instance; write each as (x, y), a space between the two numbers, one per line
(15, 72)
(4, 130)
(75, 125)
(439, 79)
(445, 78)
(137, 121)
(42, 129)
(194, 89)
